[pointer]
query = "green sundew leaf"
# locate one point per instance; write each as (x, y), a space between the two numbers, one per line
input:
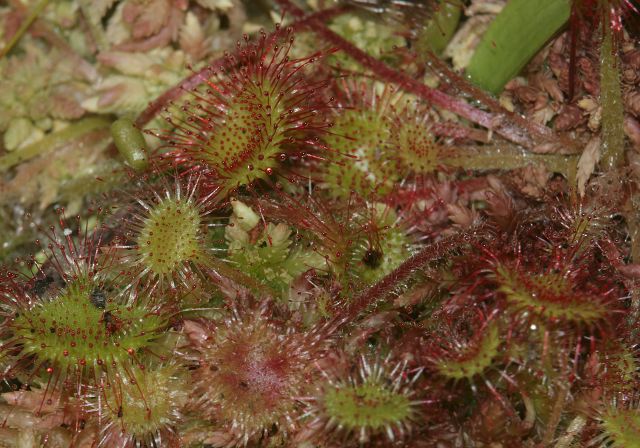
(622, 427)
(370, 405)
(71, 329)
(475, 359)
(513, 38)
(550, 296)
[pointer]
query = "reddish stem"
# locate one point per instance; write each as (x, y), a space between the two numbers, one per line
(497, 123)
(491, 103)
(197, 78)
(456, 131)
(403, 272)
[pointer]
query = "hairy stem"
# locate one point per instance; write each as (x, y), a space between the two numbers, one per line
(556, 413)
(508, 130)
(403, 272)
(197, 78)
(631, 216)
(611, 101)
(506, 157)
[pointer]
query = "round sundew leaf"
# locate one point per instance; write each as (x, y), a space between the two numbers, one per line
(246, 148)
(251, 371)
(549, 295)
(417, 148)
(366, 135)
(371, 262)
(242, 124)
(378, 402)
(473, 360)
(147, 408)
(70, 332)
(170, 236)
(372, 244)
(371, 404)
(621, 428)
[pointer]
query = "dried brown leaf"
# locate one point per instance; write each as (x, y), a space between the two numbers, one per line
(65, 104)
(461, 216)
(632, 130)
(587, 163)
(531, 180)
(146, 18)
(569, 117)
(192, 37)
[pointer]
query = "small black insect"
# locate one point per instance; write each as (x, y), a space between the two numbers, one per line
(98, 298)
(107, 317)
(41, 285)
(372, 258)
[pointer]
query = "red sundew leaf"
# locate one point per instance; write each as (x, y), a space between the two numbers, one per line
(251, 369)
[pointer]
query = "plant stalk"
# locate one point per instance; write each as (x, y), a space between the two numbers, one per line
(611, 102)
(51, 141)
(24, 26)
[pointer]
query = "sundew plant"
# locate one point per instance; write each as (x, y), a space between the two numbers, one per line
(319, 223)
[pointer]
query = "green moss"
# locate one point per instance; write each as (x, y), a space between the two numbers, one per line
(270, 255)
(368, 34)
